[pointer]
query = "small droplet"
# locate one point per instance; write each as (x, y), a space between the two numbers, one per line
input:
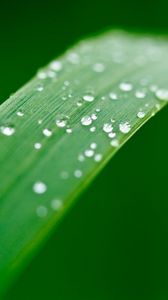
(125, 86)
(69, 130)
(79, 103)
(112, 135)
(47, 132)
(78, 173)
(125, 127)
(37, 146)
(20, 113)
(40, 122)
(88, 98)
(140, 94)
(113, 96)
(107, 127)
(7, 130)
(93, 146)
(94, 117)
(93, 129)
(42, 75)
(73, 58)
(86, 120)
(98, 67)
(114, 143)
(162, 94)
(141, 114)
(41, 211)
(56, 65)
(81, 157)
(89, 153)
(98, 157)
(40, 88)
(39, 187)
(56, 204)
(62, 121)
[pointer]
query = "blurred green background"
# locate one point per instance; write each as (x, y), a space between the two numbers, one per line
(114, 243)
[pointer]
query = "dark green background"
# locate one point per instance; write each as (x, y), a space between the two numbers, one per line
(114, 242)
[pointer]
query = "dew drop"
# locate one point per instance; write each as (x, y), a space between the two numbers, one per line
(56, 65)
(88, 98)
(93, 146)
(140, 94)
(107, 127)
(39, 187)
(41, 211)
(141, 114)
(7, 130)
(81, 157)
(113, 96)
(162, 94)
(47, 132)
(94, 117)
(93, 129)
(40, 88)
(56, 204)
(86, 120)
(98, 157)
(78, 173)
(73, 58)
(37, 146)
(114, 143)
(69, 130)
(125, 127)
(98, 67)
(89, 153)
(62, 121)
(20, 113)
(125, 86)
(112, 135)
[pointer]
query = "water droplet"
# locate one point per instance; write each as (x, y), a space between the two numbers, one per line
(79, 103)
(162, 94)
(107, 127)
(86, 120)
(42, 75)
(125, 86)
(98, 157)
(93, 129)
(81, 157)
(141, 114)
(73, 58)
(56, 204)
(98, 67)
(40, 122)
(41, 211)
(7, 130)
(56, 65)
(20, 113)
(62, 121)
(78, 173)
(125, 127)
(114, 143)
(47, 132)
(37, 146)
(39, 187)
(94, 117)
(93, 146)
(112, 135)
(140, 94)
(40, 88)
(88, 98)
(113, 96)
(69, 130)
(89, 153)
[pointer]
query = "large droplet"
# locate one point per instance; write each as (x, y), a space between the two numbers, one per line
(88, 98)
(107, 127)
(7, 130)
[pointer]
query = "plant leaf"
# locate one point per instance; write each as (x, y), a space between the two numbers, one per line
(59, 130)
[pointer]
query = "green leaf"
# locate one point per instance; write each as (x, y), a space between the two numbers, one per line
(58, 131)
